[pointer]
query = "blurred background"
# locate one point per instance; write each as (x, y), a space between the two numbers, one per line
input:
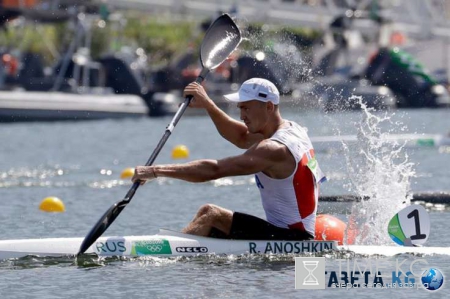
(95, 59)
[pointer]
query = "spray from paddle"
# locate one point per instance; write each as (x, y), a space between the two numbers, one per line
(379, 171)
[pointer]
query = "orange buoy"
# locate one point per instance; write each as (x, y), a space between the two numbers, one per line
(330, 228)
(352, 231)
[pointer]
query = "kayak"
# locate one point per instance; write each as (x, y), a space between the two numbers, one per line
(166, 243)
(170, 243)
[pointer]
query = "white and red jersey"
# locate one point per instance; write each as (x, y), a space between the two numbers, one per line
(292, 202)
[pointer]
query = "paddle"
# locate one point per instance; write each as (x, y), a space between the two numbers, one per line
(220, 40)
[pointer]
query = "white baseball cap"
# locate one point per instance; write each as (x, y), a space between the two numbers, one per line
(256, 89)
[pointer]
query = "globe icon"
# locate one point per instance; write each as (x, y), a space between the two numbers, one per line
(432, 279)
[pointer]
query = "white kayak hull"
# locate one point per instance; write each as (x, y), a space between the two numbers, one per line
(170, 243)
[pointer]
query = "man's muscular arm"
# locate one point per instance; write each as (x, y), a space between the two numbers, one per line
(229, 128)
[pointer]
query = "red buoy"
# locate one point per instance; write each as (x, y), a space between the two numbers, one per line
(329, 228)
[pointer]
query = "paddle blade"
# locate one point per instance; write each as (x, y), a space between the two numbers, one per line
(220, 40)
(102, 225)
(410, 226)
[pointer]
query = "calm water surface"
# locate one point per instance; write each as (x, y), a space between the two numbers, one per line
(81, 162)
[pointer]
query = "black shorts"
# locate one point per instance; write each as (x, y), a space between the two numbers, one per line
(248, 227)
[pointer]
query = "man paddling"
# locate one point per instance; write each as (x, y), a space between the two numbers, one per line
(279, 154)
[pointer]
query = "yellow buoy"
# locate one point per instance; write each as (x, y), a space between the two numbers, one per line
(127, 173)
(52, 204)
(180, 152)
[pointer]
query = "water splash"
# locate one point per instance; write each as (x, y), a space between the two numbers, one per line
(380, 172)
(274, 54)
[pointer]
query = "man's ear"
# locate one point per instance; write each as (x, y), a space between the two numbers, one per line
(270, 106)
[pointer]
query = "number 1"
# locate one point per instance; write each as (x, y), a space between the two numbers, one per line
(418, 235)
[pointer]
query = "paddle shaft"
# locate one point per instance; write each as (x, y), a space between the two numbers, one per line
(166, 135)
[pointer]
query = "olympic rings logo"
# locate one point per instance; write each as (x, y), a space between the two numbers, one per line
(154, 248)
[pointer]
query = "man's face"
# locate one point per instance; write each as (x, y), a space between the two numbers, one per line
(254, 114)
